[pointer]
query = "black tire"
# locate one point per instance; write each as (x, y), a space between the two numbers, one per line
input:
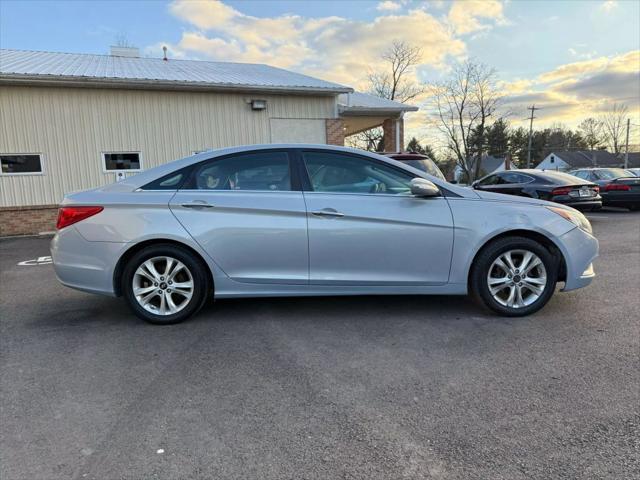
(478, 282)
(195, 266)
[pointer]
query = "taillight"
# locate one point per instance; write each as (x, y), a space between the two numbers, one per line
(70, 215)
(561, 191)
(621, 187)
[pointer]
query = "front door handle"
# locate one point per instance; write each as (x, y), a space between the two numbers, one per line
(328, 212)
(196, 204)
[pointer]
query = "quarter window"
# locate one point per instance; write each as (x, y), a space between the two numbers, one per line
(117, 161)
(261, 171)
(21, 164)
(336, 173)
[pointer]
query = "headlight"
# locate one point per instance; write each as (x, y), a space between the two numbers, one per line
(575, 217)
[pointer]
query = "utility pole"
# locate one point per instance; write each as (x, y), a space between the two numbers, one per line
(626, 148)
(533, 108)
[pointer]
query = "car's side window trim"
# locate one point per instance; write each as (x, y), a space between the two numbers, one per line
(190, 183)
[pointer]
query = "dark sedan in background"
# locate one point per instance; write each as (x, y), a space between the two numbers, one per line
(546, 185)
(618, 187)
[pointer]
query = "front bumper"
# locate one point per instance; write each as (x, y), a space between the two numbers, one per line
(84, 265)
(579, 250)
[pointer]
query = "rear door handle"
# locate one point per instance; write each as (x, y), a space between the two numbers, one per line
(328, 212)
(196, 204)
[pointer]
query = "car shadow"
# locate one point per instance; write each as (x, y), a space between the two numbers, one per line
(85, 310)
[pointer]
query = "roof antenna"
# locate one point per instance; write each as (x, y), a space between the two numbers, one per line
(164, 49)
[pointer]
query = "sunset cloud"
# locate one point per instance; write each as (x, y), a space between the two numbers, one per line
(335, 48)
(576, 90)
(346, 50)
(388, 6)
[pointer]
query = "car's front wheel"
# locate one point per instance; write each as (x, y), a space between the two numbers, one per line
(514, 276)
(164, 284)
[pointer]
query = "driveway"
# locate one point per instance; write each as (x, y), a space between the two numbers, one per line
(353, 388)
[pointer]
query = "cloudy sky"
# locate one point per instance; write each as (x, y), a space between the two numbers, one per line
(572, 58)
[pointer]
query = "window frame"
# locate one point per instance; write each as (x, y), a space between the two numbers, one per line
(103, 154)
(41, 156)
(307, 186)
(189, 184)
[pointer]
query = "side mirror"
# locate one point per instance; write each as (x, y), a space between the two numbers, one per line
(421, 187)
(453, 182)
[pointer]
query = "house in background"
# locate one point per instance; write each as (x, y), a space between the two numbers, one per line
(76, 121)
(489, 165)
(564, 161)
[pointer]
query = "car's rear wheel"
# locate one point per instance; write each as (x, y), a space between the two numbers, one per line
(514, 276)
(164, 284)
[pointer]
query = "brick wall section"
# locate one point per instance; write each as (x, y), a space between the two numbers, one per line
(27, 220)
(389, 129)
(335, 131)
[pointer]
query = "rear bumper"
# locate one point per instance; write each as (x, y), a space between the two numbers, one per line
(84, 265)
(585, 204)
(579, 250)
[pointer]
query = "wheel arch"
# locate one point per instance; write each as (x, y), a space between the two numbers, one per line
(124, 258)
(532, 235)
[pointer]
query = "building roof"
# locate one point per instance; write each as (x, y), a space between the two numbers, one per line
(588, 158)
(109, 70)
(362, 103)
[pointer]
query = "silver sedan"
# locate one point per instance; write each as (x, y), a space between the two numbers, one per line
(300, 220)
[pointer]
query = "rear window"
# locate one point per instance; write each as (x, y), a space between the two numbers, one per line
(611, 173)
(426, 165)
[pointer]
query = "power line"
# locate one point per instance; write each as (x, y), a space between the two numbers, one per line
(533, 108)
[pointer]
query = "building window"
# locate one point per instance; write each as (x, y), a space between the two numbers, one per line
(21, 164)
(118, 161)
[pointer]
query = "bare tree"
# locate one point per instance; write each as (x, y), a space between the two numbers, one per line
(462, 106)
(393, 83)
(614, 125)
(592, 132)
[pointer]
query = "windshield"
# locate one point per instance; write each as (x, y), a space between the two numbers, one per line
(611, 173)
(426, 165)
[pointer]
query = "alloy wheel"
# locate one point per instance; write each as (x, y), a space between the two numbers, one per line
(163, 285)
(517, 278)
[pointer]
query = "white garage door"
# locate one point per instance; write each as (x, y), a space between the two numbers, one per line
(298, 130)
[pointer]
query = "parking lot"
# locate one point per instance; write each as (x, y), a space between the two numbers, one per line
(353, 388)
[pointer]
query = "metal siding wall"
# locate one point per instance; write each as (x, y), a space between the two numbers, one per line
(72, 126)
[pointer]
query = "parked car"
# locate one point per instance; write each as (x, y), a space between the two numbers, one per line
(419, 161)
(553, 186)
(618, 187)
(300, 220)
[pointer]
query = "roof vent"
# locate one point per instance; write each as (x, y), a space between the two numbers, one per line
(131, 52)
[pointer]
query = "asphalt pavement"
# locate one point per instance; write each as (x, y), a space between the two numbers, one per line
(326, 388)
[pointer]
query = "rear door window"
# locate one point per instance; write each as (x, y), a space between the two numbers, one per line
(256, 171)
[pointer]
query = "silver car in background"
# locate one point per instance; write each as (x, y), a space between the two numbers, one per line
(301, 220)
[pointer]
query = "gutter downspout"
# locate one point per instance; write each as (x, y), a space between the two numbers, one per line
(398, 133)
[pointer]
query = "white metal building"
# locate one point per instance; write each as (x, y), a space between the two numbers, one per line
(74, 121)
